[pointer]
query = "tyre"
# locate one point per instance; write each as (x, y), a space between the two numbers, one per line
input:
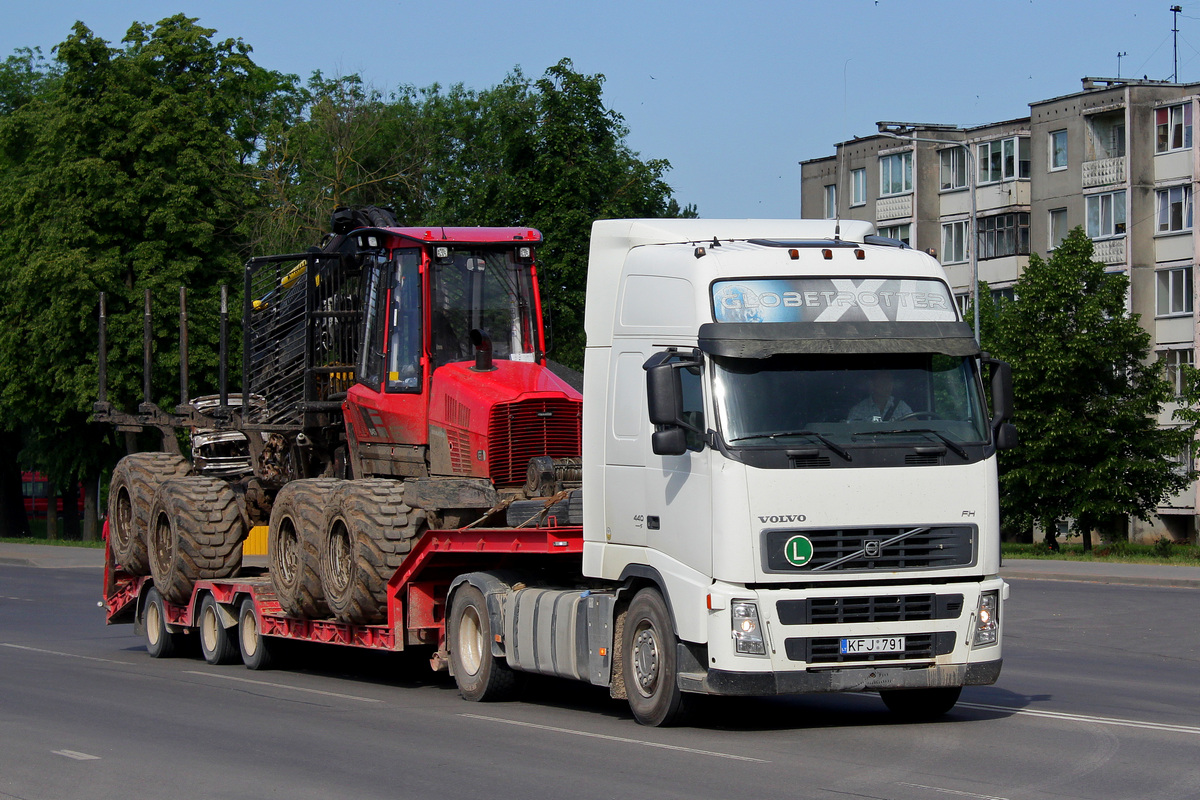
(480, 675)
(196, 532)
(257, 650)
(218, 644)
(297, 528)
(130, 495)
(921, 704)
(370, 529)
(160, 641)
(649, 662)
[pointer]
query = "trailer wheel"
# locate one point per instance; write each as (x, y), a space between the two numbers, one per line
(218, 644)
(480, 675)
(160, 642)
(297, 528)
(921, 704)
(257, 650)
(196, 532)
(130, 496)
(649, 662)
(370, 529)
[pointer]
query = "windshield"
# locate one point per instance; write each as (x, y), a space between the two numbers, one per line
(848, 400)
(485, 289)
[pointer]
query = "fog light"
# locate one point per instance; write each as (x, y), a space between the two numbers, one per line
(747, 633)
(987, 626)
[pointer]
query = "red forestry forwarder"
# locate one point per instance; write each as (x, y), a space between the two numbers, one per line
(398, 430)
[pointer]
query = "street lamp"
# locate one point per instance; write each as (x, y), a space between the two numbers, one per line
(891, 130)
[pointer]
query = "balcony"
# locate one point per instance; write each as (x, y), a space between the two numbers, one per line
(1104, 171)
(894, 207)
(1110, 251)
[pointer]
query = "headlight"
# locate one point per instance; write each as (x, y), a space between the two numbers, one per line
(987, 625)
(747, 633)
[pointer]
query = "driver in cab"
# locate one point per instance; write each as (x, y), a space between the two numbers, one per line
(880, 405)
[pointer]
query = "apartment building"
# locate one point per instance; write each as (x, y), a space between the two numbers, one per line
(1117, 157)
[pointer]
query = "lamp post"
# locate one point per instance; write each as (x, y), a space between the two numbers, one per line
(885, 129)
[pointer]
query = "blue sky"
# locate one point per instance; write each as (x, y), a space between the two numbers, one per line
(733, 94)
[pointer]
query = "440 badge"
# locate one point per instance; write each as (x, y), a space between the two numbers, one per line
(798, 550)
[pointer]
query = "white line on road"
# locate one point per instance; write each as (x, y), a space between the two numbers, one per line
(1121, 723)
(285, 686)
(622, 739)
(66, 655)
(954, 792)
(75, 755)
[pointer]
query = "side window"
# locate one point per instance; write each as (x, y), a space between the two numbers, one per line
(404, 327)
(693, 406)
(370, 362)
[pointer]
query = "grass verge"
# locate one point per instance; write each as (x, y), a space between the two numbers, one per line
(1161, 552)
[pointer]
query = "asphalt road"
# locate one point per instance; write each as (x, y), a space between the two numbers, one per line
(1099, 699)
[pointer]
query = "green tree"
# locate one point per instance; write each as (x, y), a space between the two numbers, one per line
(1088, 399)
(124, 175)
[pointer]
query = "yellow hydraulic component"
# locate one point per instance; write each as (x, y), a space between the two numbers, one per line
(288, 281)
(256, 542)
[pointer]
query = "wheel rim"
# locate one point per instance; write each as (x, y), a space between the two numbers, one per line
(210, 628)
(249, 628)
(289, 551)
(341, 563)
(470, 640)
(153, 623)
(123, 527)
(645, 659)
(163, 543)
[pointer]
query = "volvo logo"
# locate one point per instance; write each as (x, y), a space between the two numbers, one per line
(872, 548)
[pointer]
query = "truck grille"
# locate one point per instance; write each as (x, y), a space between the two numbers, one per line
(891, 608)
(519, 431)
(827, 649)
(841, 550)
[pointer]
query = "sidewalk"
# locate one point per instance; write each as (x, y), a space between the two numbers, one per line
(55, 557)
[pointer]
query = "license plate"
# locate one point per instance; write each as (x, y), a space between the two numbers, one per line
(873, 644)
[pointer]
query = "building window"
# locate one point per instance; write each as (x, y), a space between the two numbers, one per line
(1175, 209)
(954, 242)
(1174, 291)
(1172, 360)
(901, 232)
(953, 170)
(1105, 215)
(1003, 295)
(1107, 135)
(1003, 235)
(1058, 150)
(895, 173)
(831, 201)
(858, 187)
(1058, 226)
(1004, 160)
(1173, 128)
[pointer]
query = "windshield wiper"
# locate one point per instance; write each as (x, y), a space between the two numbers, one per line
(780, 434)
(945, 440)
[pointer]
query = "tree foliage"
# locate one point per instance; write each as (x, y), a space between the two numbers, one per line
(1088, 398)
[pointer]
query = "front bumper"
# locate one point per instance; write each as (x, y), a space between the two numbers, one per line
(851, 679)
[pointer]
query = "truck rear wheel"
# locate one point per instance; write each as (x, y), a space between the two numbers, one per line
(370, 531)
(480, 675)
(218, 644)
(196, 532)
(921, 704)
(297, 528)
(649, 659)
(160, 641)
(130, 496)
(257, 650)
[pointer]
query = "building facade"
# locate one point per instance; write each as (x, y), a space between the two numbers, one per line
(1117, 157)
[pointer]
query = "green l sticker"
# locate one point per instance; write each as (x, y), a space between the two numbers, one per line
(798, 551)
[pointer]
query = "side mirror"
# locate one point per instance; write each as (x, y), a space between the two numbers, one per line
(670, 441)
(1006, 436)
(1002, 391)
(664, 394)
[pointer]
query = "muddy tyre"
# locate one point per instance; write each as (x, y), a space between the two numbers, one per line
(480, 676)
(650, 668)
(130, 495)
(297, 530)
(196, 533)
(370, 530)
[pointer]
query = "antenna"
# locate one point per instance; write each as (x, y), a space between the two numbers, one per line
(1175, 45)
(1119, 57)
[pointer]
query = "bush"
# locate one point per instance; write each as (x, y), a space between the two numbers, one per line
(1163, 547)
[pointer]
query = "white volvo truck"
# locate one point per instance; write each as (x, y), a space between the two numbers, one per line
(789, 463)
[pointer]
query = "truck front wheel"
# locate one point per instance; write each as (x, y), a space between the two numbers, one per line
(479, 675)
(649, 662)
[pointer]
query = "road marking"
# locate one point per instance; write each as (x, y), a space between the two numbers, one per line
(75, 755)
(66, 655)
(284, 686)
(953, 792)
(1120, 723)
(622, 739)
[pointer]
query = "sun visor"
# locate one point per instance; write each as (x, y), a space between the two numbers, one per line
(763, 339)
